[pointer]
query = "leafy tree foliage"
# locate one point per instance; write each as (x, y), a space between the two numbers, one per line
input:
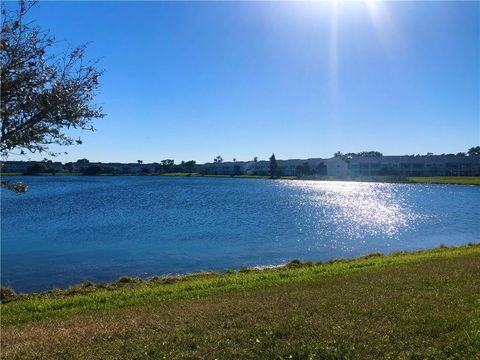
(37, 168)
(190, 166)
(93, 170)
(348, 156)
(474, 151)
(43, 92)
(68, 167)
(167, 166)
(218, 159)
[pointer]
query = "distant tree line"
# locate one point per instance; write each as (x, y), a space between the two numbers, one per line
(348, 156)
(169, 166)
(164, 167)
(41, 168)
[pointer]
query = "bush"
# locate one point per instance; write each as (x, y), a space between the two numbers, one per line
(7, 294)
(373, 254)
(170, 279)
(293, 264)
(127, 280)
(88, 284)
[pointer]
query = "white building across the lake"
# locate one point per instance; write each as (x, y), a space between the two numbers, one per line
(426, 165)
(333, 167)
(415, 165)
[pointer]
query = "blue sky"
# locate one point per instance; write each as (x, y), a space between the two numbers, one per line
(195, 80)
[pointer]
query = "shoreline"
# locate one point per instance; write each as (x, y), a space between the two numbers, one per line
(88, 286)
(433, 180)
(422, 304)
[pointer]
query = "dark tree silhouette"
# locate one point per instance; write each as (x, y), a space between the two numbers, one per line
(274, 170)
(190, 166)
(93, 170)
(37, 168)
(474, 151)
(43, 92)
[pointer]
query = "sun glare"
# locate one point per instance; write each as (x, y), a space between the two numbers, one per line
(340, 9)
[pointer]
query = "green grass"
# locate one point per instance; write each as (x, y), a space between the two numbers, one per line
(419, 305)
(229, 176)
(180, 174)
(454, 180)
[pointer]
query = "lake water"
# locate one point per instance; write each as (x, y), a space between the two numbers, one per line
(69, 229)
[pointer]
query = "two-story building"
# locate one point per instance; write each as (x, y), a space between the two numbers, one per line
(334, 167)
(420, 165)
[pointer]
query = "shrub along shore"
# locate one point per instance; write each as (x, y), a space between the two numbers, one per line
(424, 304)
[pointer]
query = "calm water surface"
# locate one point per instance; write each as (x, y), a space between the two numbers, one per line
(69, 229)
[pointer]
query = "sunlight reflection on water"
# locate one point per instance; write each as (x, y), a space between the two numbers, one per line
(357, 210)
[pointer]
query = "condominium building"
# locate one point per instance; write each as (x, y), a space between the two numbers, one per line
(427, 165)
(334, 167)
(420, 165)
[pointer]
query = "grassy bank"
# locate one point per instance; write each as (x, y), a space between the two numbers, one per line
(229, 176)
(419, 305)
(181, 174)
(454, 180)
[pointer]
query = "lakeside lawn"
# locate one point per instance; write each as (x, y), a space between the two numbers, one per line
(451, 180)
(165, 174)
(419, 305)
(455, 180)
(229, 176)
